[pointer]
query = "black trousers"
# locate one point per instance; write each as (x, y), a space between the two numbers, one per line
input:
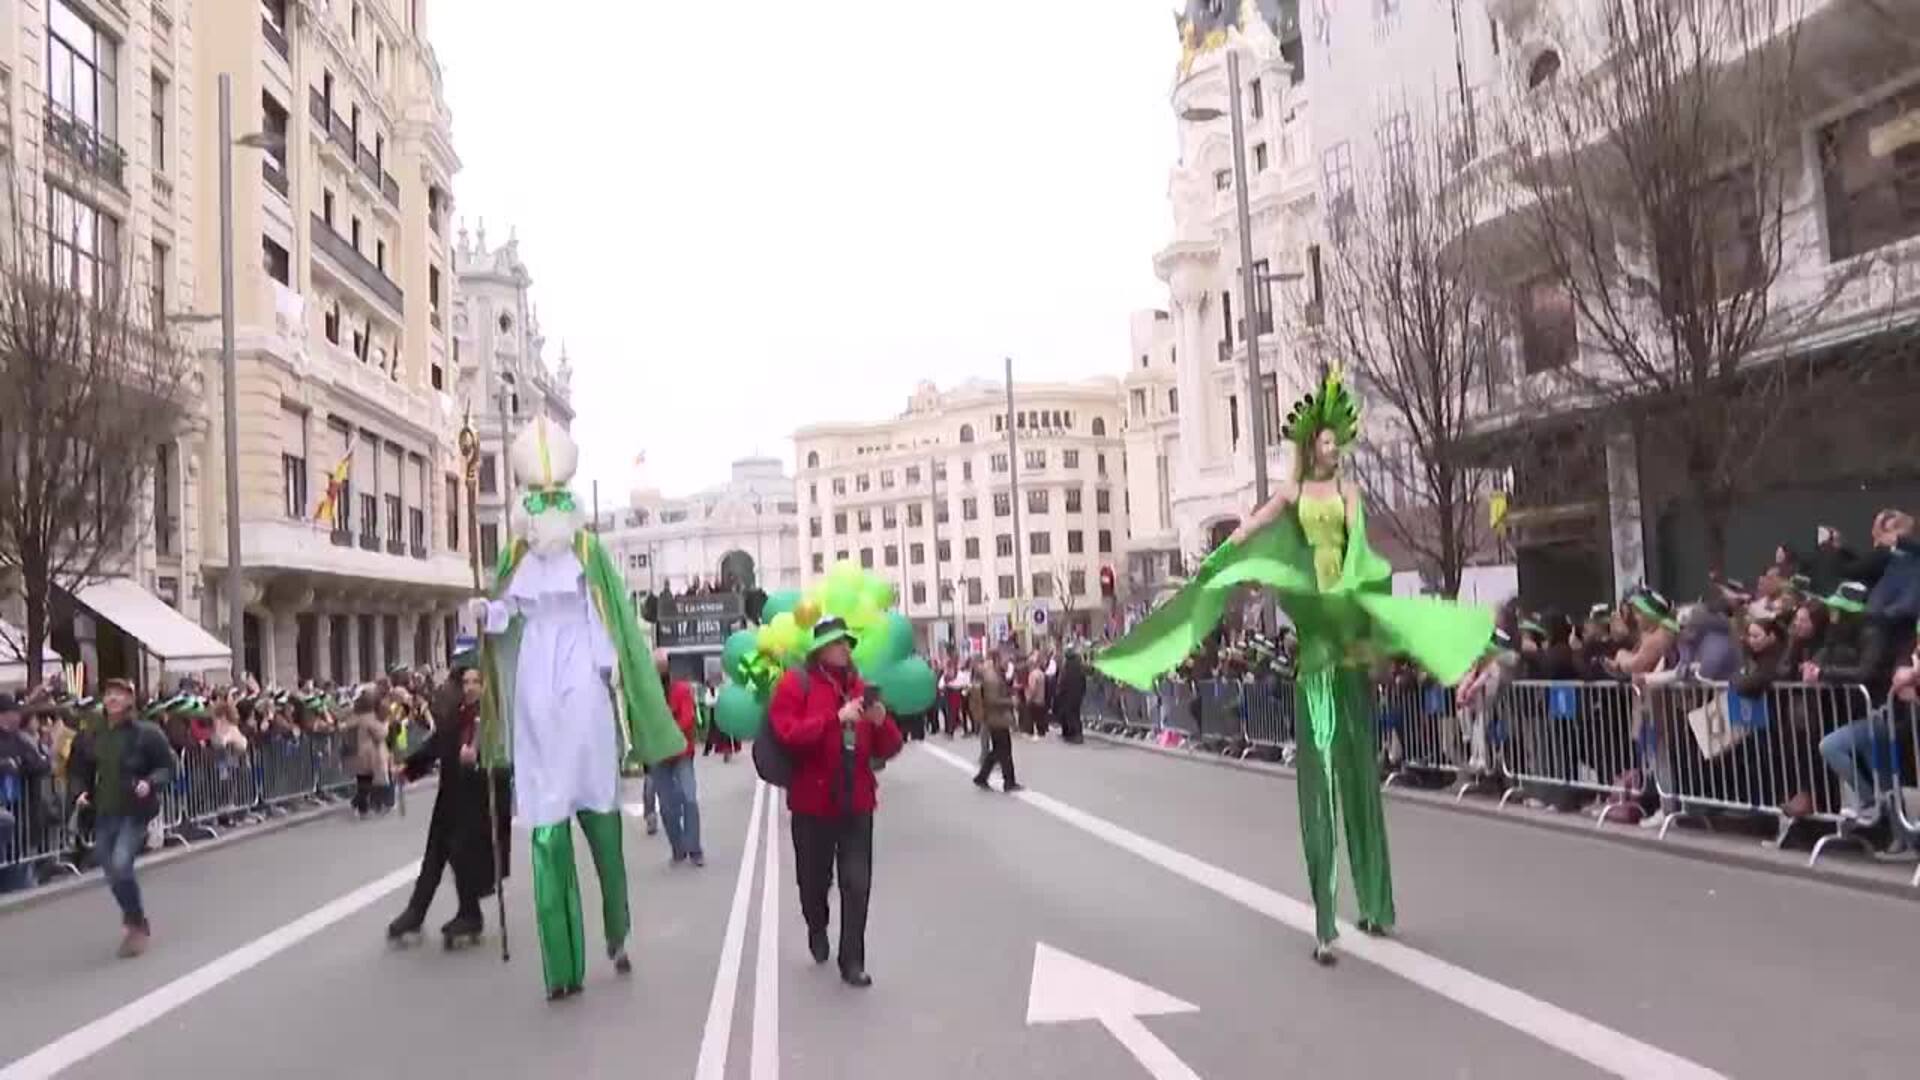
(822, 845)
(434, 864)
(1000, 753)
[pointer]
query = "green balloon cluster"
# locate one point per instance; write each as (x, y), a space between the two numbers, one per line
(754, 659)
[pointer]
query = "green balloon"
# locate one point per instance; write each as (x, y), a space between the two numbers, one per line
(908, 687)
(740, 645)
(739, 714)
(879, 592)
(779, 603)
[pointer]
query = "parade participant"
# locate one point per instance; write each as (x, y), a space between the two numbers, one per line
(458, 833)
(119, 774)
(1309, 543)
(836, 730)
(569, 674)
(673, 778)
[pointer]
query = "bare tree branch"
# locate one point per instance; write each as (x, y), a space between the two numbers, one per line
(94, 386)
(1411, 319)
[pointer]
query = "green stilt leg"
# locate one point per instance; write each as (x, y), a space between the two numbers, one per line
(556, 907)
(603, 832)
(1337, 771)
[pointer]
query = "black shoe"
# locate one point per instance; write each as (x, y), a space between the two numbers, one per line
(698, 858)
(1373, 929)
(1012, 788)
(1324, 956)
(622, 963)
(981, 783)
(817, 945)
(562, 993)
(856, 977)
(407, 924)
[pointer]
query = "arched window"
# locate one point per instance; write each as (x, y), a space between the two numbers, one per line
(813, 459)
(966, 432)
(1099, 425)
(1544, 69)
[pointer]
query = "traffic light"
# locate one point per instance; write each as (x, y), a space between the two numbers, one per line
(1106, 583)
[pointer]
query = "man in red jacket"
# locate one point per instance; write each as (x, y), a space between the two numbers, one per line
(673, 779)
(835, 730)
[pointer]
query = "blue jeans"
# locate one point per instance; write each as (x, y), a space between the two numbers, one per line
(1867, 740)
(116, 840)
(679, 805)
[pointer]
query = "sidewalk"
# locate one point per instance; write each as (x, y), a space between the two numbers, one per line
(1842, 868)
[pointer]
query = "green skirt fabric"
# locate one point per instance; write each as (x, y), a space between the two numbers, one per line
(1356, 618)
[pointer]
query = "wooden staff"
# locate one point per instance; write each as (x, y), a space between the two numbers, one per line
(470, 452)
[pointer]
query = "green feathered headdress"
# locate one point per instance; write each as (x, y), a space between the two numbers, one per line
(1333, 407)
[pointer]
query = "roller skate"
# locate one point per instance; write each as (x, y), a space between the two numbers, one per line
(460, 931)
(405, 930)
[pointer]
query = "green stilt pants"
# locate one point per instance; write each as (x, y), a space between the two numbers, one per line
(556, 895)
(1339, 772)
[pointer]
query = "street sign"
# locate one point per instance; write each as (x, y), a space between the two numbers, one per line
(699, 622)
(1066, 989)
(1040, 617)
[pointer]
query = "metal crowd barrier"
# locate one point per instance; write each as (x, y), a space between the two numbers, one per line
(1697, 746)
(213, 788)
(1567, 737)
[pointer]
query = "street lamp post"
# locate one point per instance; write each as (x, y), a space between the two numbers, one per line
(1249, 278)
(230, 377)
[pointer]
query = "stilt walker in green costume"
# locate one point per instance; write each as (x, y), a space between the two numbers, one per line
(1309, 544)
(572, 691)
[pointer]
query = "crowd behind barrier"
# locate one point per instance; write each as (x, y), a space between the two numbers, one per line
(44, 834)
(1655, 756)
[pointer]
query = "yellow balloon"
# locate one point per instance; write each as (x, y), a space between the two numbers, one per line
(806, 613)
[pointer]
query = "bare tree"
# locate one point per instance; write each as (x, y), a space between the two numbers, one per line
(1659, 177)
(93, 385)
(1408, 314)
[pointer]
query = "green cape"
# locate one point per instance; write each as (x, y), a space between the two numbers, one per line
(1442, 636)
(648, 733)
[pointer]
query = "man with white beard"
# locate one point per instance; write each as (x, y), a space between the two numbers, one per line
(571, 672)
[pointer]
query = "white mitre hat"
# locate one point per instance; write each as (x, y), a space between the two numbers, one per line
(544, 456)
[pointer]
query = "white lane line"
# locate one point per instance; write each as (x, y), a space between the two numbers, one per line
(765, 1061)
(83, 1042)
(1588, 1040)
(726, 982)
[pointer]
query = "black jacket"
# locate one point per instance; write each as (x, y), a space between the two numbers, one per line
(1865, 655)
(1070, 688)
(460, 810)
(145, 756)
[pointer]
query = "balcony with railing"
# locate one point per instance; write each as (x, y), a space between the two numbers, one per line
(276, 36)
(276, 176)
(369, 523)
(86, 147)
(357, 266)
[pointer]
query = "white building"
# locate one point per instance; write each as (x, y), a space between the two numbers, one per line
(1377, 69)
(927, 499)
(1187, 389)
(502, 370)
(741, 534)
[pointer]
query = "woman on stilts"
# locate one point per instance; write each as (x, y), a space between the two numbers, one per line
(459, 833)
(1309, 544)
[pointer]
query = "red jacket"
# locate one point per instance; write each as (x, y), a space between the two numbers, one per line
(680, 702)
(809, 726)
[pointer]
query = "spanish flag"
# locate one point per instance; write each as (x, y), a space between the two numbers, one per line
(336, 486)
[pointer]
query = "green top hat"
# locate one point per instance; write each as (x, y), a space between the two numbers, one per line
(829, 630)
(1850, 597)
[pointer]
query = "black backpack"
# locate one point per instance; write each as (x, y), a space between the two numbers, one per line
(771, 757)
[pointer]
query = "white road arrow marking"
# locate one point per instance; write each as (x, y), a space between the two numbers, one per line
(1068, 989)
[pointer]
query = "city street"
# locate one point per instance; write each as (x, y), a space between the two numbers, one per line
(1130, 916)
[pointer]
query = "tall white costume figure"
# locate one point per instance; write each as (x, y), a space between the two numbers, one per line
(571, 672)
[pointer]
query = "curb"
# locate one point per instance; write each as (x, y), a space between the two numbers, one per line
(92, 879)
(1890, 881)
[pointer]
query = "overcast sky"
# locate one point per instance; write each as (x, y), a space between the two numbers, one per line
(743, 217)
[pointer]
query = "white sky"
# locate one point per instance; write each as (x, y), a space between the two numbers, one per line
(747, 216)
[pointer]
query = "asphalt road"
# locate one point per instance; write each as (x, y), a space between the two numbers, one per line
(1145, 913)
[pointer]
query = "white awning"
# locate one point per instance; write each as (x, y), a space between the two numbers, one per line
(179, 642)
